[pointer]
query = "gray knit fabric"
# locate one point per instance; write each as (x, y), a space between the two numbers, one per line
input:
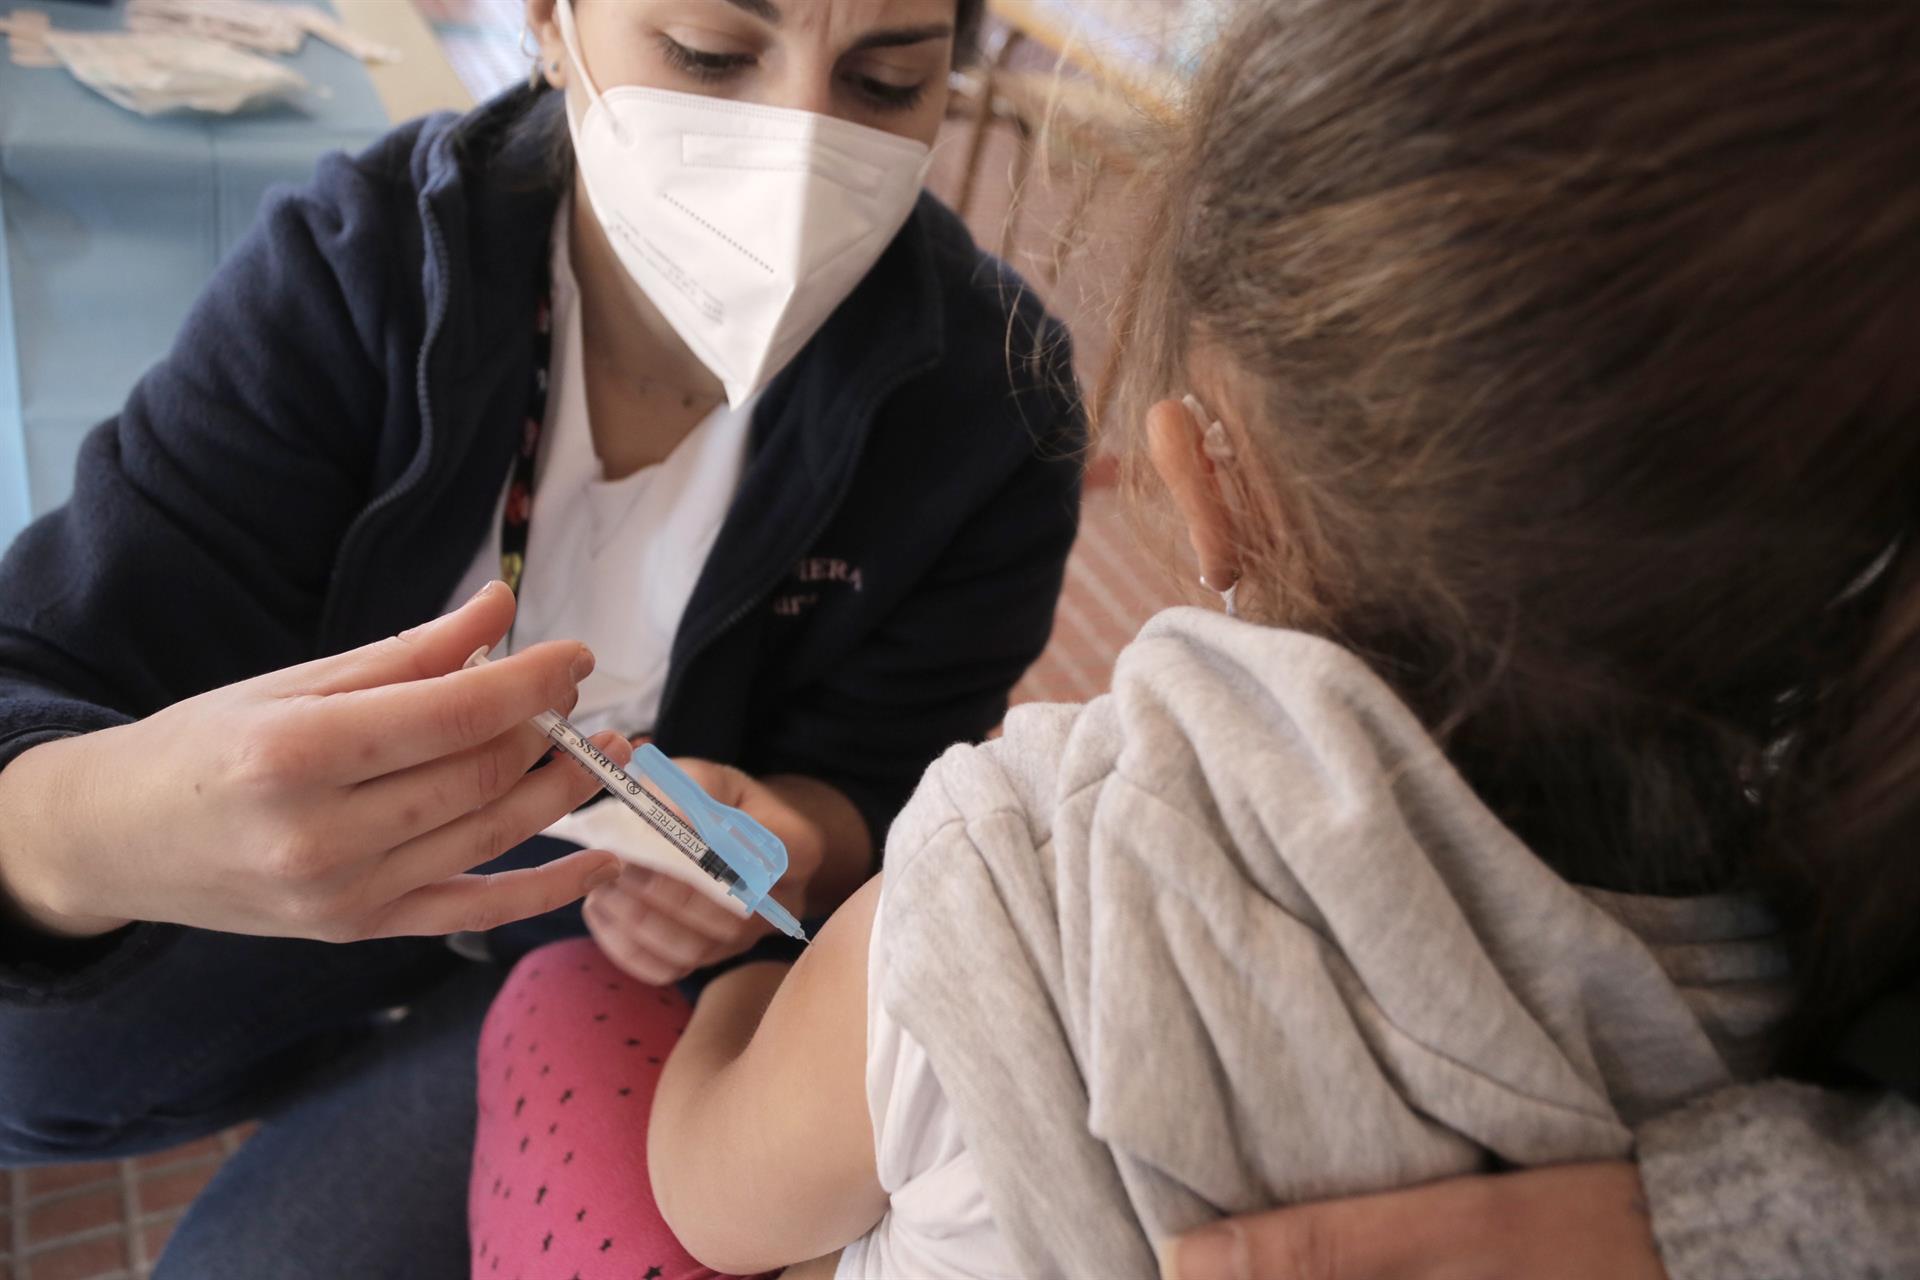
(1237, 935)
(1778, 1181)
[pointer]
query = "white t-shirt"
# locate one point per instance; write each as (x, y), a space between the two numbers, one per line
(938, 1225)
(612, 563)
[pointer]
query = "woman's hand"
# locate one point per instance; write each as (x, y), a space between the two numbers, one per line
(1571, 1222)
(660, 929)
(341, 799)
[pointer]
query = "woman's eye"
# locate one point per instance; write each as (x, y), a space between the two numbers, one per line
(885, 94)
(702, 64)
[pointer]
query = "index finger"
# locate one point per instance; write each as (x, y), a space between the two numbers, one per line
(433, 648)
(398, 726)
(477, 902)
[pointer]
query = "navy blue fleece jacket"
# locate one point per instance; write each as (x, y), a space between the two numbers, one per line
(316, 462)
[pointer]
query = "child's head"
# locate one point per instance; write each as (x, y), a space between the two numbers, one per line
(1570, 356)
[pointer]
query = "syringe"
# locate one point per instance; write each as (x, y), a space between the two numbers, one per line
(728, 846)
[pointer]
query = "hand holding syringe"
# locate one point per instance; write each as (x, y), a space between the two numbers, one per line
(727, 846)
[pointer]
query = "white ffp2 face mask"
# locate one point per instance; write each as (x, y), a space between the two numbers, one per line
(745, 225)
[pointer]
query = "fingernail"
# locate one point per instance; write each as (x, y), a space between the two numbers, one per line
(1218, 1252)
(582, 663)
(486, 591)
(604, 877)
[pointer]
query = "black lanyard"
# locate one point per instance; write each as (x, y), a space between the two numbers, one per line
(516, 513)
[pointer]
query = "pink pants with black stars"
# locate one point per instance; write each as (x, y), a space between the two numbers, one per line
(569, 1058)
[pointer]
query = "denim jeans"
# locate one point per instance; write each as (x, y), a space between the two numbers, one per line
(360, 1166)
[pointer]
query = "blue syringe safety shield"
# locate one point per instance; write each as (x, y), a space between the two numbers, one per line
(727, 845)
(754, 855)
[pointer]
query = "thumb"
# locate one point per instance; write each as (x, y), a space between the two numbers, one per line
(433, 648)
(723, 782)
(1217, 1252)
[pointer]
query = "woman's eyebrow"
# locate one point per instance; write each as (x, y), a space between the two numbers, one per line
(895, 37)
(891, 38)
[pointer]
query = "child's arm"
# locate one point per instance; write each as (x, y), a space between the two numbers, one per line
(760, 1147)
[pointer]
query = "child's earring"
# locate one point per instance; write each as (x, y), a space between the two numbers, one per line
(1225, 594)
(1218, 446)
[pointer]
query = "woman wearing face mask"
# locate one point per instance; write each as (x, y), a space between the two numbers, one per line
(778, 466)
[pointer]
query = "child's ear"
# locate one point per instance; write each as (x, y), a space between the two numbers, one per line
(1176, 440)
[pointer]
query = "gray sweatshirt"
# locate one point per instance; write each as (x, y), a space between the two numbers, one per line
(1237, 935)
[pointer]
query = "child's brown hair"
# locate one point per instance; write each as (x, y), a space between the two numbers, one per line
(1579, 349)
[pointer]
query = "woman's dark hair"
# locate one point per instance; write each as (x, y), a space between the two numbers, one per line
(1580, 351)
(967, 17)
(539, 127)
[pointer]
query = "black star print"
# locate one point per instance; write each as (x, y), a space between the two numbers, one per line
(509, 1071)
(540, 1196)
(520, 1105)
(654, 1061)
(496, 1186)
(599, 1017)
(569, 1159)
(606, 1244)
(547, 1243)
(626, 1093)
(533, 1008)
(632, 1043)
(535, 1045)
(653, 1273)
(523, 1143)
(566, 1096)
(553, 1128)
(534, 974)
(545, 1067)
(508, 1042)
(613, 986)
(483, 1248)
(495, 1266)
(580, 1216)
